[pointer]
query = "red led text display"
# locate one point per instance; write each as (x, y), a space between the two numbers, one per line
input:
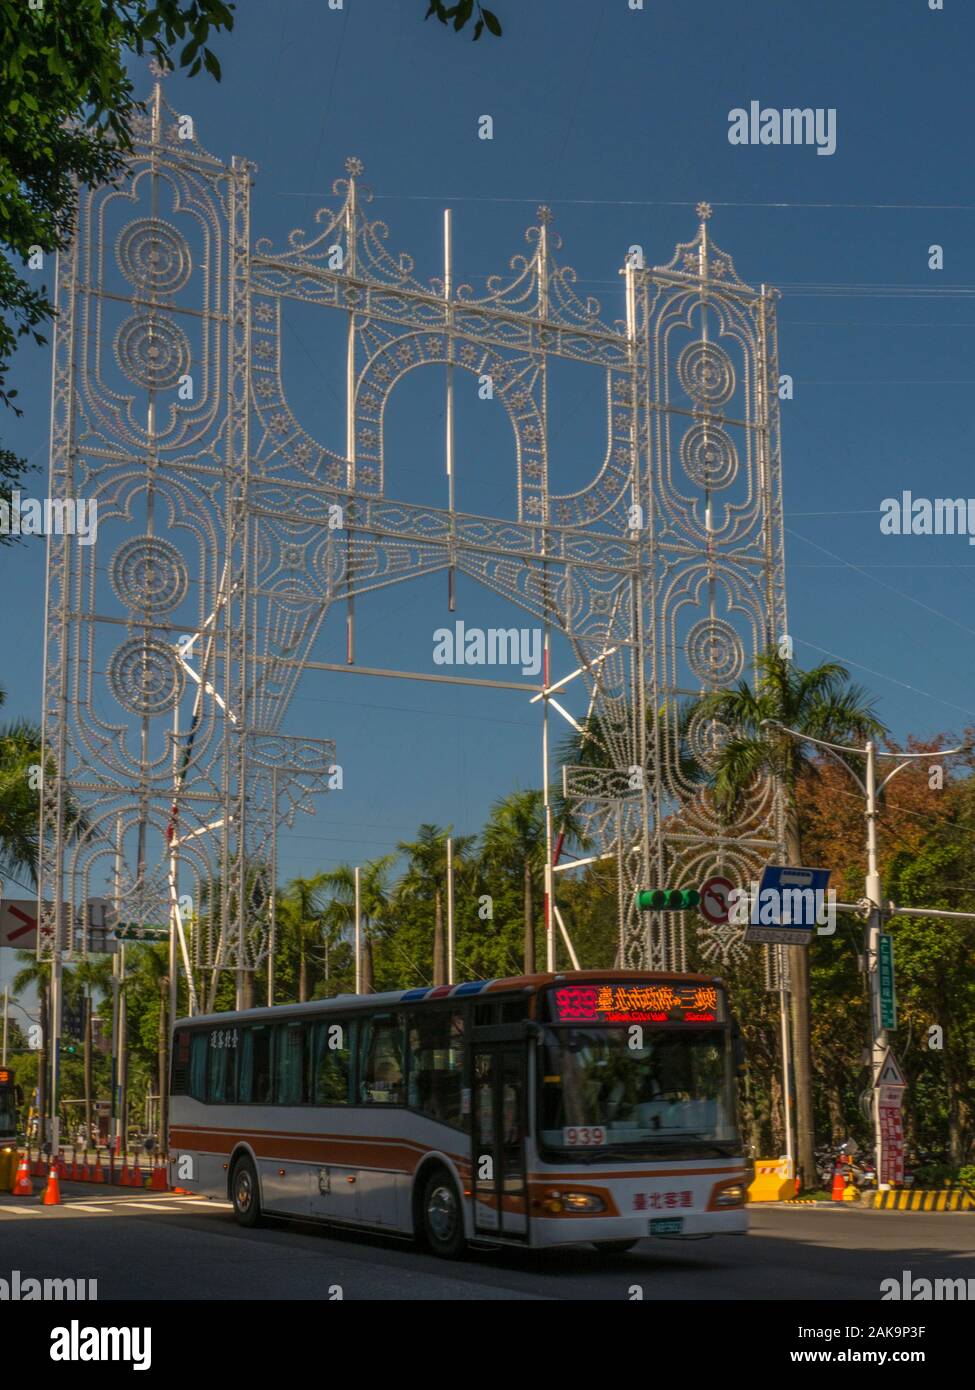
(638, 1003)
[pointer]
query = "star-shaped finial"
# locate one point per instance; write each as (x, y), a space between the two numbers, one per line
(353, 165)
(544, 215)
(159, 70)
(704, 211)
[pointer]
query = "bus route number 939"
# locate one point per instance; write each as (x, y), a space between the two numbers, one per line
(583, 1136)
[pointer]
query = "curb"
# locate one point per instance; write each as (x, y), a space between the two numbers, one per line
(923, 1199)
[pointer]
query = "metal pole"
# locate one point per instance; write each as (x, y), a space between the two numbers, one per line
(448, 287)
(273, 904)
(874, 893)
(546, 803)
(6, 1001)
(450, 910)
(358, 933)
(123, 1027)
(55, 1025)
(790, 1151)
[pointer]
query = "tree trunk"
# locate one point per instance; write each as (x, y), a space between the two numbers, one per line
(42, 1064)
(368, 985)
(247, 990)
(302, 973)
(837, 1119)
(88, 1066)
(162, 1040)
(529, 921)
(801, 1032)
(439, 945)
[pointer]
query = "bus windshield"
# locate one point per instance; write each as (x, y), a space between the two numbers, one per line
(672, 1095)
(8, 1111)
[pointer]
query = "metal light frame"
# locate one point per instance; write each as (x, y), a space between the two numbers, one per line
(663, 587)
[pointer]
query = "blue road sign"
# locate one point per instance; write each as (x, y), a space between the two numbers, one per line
(789, 905)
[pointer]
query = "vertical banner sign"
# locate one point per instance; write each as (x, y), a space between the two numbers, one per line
(891, 1142)
(888, 1000)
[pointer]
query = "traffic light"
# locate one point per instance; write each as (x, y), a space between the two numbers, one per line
(667, 899)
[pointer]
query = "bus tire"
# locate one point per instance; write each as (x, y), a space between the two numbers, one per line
(245, 1193)
(442, 1216)
(615, 1247)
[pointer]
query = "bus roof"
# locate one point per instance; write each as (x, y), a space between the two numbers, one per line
(344, 1002)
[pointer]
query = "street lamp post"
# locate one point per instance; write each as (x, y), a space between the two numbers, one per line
(873, 886)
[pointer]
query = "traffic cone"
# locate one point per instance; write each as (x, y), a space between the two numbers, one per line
(159, 1183)
(96, 1173)
(124, 1178)
(52, 1194)
(839, 1185)
(23, 1187)
(83, 1175)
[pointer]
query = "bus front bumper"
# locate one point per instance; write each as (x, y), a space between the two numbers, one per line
(583, 1230)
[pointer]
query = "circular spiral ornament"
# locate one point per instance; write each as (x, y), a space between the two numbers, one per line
(149, 573)
(714, 651)
(152, 350)
(705, 372)
(709, 457)
(707, 739)
(144, 676)
(153, 256)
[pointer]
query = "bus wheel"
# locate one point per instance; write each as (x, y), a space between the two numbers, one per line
(615, 1247)
(441, 1216)
(246, 1193)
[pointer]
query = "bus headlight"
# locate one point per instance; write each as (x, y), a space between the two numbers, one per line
(730, 1194)
(556, 1202)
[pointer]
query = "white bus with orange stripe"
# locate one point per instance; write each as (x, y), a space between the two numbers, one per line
(596, 1107)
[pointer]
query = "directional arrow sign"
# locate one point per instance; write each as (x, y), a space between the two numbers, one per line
(18, 924)
(890, 1073)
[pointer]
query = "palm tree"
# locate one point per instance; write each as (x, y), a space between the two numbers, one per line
(37, 974)
(425, 877)
(514, 841)
(20, 760)
(373, 900)
(87, 977)
(821, 703)
(20, 751)
(301, 910)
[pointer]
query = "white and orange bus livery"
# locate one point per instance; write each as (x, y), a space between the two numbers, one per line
(596, 1106)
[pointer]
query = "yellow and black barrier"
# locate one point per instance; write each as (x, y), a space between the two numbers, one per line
(924, 1199)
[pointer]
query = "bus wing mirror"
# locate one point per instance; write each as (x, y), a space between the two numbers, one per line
(738, 1049)
(533, 1030)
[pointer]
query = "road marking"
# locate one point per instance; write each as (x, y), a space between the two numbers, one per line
(21, 1211)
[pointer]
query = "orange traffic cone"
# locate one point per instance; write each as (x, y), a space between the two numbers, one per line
(159, 1183)
(96, 1173)
(52, 1194)
(23, 1187)
(124, 1178)
(839, 1183)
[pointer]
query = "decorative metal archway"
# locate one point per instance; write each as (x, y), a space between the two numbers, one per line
(227, 531)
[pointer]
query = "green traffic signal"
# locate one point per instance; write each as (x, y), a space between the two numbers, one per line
(667, 899)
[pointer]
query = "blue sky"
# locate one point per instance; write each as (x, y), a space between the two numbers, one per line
(618, 120)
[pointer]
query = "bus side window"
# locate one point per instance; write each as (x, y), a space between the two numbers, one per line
(221, 1067)
(179, 1080)
(289, 1064)
(198, 1066)
(436, 1053)
(331, 1065)
(381, 1073)
(254, 1076)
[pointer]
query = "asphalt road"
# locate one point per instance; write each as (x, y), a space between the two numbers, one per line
(162, 1246)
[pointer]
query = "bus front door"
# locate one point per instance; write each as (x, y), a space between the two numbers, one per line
(498, 1140)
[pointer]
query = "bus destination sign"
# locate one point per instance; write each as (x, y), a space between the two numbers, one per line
(669, 1002)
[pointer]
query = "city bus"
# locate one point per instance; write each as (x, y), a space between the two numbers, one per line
(591, 1107)
(9, 1100)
